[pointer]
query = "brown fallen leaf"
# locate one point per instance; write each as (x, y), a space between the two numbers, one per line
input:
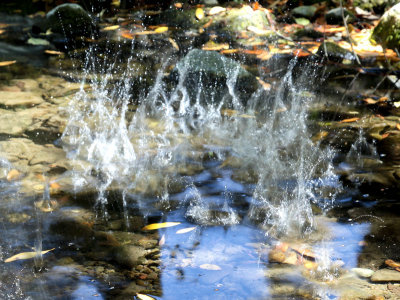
(160, 225)
(385, 135)
(370, 101)
(53, 52)
(26, 255)
(350, 120)
(13, 175)
(7, 63)
(210, 267)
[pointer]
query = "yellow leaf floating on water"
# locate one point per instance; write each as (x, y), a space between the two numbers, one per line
(26, 255)
(161, 29)
(144, 297)
(7, 63)
(210, 267)
(160, 225)
(110, 28)
(199, 13)
(185, 230)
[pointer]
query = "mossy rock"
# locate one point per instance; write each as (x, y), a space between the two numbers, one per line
(387, 32)
(375, 5)
(334, 52)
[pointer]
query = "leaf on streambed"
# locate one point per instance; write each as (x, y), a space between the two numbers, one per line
(162, 240)
(7, 63)
(351, 120)
(398, 126)
(396, 104)
(186, 230)
(161, 29)
(199, 13)
(111, 28)
(144, 297)
(160, 225)
(13, 175)
(210, 267)
(173, 43)
(26, 255)
(392, 264)
(53, 52)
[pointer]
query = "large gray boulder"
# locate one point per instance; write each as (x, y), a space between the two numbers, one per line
(210, 73)
(387, 32)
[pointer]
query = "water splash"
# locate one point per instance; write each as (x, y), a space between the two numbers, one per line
(140, 147)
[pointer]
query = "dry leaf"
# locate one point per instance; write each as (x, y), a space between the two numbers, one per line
(392, 263)
(349, 120)
(13, 175)
(7, 63)
(110, 28)
(161, 29)
(26, 255)
(199, 13)
(53, 52)
(173, 43)
(144, 297)
(160, 225)
(385, 135)
(369, 101)
(210, 267)
(162, 240)
(185, 230)
(216, 10)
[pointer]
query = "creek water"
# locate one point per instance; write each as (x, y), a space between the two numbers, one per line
(242, 172)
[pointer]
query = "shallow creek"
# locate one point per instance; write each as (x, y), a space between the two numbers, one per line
(275, 197)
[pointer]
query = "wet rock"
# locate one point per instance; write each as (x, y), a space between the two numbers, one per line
(210, 69)
(305, 11)
(389, 147)
(239, 19)
(129, 256)
(184, 19)
(334, 16)
(362, 272)
(334, 52)
(385, 275)
(15, 99)
(387, 32)
(69, 20)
